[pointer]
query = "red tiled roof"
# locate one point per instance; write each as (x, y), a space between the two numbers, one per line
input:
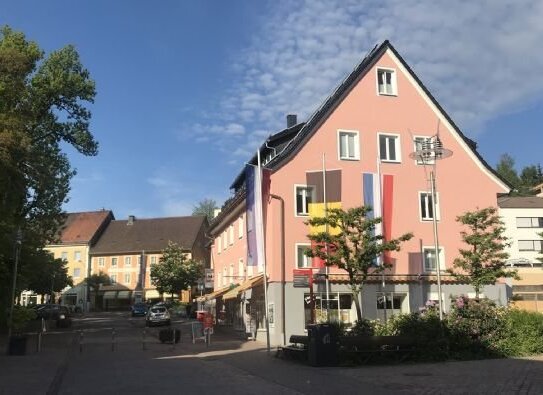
(83, 228)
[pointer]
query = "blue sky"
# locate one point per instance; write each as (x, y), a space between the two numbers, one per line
(188, 89)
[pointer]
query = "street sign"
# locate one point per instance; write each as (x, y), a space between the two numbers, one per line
(302, 278)
(208, 279)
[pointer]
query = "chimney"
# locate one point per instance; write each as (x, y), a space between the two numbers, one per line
(291, 120)
(131, 219)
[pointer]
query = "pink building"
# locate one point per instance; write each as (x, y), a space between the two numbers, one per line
(379, 114)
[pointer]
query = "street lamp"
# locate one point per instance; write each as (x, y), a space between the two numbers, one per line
(18, 242)
(429, 152)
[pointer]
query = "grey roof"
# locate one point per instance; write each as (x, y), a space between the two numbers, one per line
(149, 234)
(520, 202)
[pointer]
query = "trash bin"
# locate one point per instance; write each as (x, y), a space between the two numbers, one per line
(322, 348)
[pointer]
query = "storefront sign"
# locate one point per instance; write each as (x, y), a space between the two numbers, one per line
(302, 278)
(208, 279)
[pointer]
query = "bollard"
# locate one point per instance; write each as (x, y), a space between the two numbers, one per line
(143, 339)
(39, 341)
(80, 341)
(113, 339)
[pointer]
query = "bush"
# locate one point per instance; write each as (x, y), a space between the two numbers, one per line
(524, 334)
(21, 317)
(363, 327)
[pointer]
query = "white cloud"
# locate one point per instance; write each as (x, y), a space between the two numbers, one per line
(479, 59)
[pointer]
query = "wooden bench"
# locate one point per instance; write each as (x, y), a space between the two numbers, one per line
(366, 348)
(297, 349)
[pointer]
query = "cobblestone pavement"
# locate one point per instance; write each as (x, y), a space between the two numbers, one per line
(230, 365)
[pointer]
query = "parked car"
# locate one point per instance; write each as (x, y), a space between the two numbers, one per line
(157, 315)
(139, 309)
(56, 312)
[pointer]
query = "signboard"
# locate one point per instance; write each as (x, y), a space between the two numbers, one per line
(302, 278)
(208, 278)
(197, 332)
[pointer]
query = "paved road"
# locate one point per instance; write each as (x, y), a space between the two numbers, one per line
(230, 365)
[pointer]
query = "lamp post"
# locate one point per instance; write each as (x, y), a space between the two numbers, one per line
(18, 242)
(431, 150)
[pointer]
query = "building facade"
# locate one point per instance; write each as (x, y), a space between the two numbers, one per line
(359, 138)
(129, 248)
(523, 219)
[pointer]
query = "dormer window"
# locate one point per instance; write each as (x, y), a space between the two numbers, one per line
(386, 82)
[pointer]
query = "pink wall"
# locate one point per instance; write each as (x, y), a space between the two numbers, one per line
(462, 183)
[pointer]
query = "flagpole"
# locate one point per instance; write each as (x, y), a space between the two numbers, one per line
(327, 283)
(383, 235)
(260, 230)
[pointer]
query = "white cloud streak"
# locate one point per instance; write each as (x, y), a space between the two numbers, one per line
(479, 59)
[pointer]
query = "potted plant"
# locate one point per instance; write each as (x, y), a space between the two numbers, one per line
(17, 342)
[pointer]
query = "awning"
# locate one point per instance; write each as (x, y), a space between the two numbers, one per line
(232, 294)
(251, 283)
(123, 295)
(217, 293)
(110, 294)
(152, 294)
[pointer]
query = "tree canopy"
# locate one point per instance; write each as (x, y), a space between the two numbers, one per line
(205, 207)
(175, 272)
(530, 176)
(352, 244)
(483, 262)
(43, 107)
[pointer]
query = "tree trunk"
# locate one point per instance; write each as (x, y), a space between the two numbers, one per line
(356, 294)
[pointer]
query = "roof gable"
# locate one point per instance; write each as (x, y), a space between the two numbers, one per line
(83, 227)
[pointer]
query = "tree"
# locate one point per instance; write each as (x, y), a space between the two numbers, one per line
(352, 245)
(206, 207)
(530, 177)
(175, 272)
(483, 262)
(47, 274)
(95, 280)
(42, 109)
(506, 169)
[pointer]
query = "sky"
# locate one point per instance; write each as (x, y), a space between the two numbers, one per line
(187, 90)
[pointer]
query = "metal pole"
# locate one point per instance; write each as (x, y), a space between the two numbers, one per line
(382, 233)
(18, 241)
(436, 243)
(260, 229)
(327, 284)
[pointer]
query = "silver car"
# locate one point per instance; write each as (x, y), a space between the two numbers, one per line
(157, 315)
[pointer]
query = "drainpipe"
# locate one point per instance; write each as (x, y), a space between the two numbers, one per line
(283, 301)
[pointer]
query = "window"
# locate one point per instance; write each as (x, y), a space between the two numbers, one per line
(426, 159)
(304, 196)
(113, 262)
(348, 145)
(127, 278)
(231, 273)
(302, 260)
(389, 148)
(77, 272)
(77, 256)
(231, 234)
(127, 261)
(64, 256)
(530, 245)
(241, 269)
(427, 208)
(340, 306)
(101, 262)
(240, 227)
(224, 240)
(386, 82)
(153, 260)
(224, 278)
(527, 222)
(219, 245)
(219, 279)
(113, 278)
(430, 262)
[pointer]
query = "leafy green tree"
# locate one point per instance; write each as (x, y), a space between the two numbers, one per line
(95, 280)
(46, 274)
(352, 245)
(506, 169)
(530, 177)
(206, 207)
(483, 262)
(42, 108)
(175, 272)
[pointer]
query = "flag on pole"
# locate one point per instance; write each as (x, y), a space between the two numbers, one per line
(256, 199)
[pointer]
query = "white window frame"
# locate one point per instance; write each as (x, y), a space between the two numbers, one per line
(127, 261)
(240, 227)
(534, 222)
(153, 260)
(224, 278)
(127, 275)
(418, 161)
(101, 262)
(224, 240)
(64, 256)
(393, 81)
(78, 272)
(356, 142)
(231, 273)
(437, 208)
(241, 268)
(304, 186)
(77, 256)
(441, 259)
(398, 147)
(113, 278)
(114, 262)
(533, 243)
(219, 244)
(231, 234)
(308, 261)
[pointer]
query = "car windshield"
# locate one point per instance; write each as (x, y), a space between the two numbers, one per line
(158, 309)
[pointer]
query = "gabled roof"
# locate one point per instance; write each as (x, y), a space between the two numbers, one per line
(149, 234)
(520, 202)
(84, 227)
